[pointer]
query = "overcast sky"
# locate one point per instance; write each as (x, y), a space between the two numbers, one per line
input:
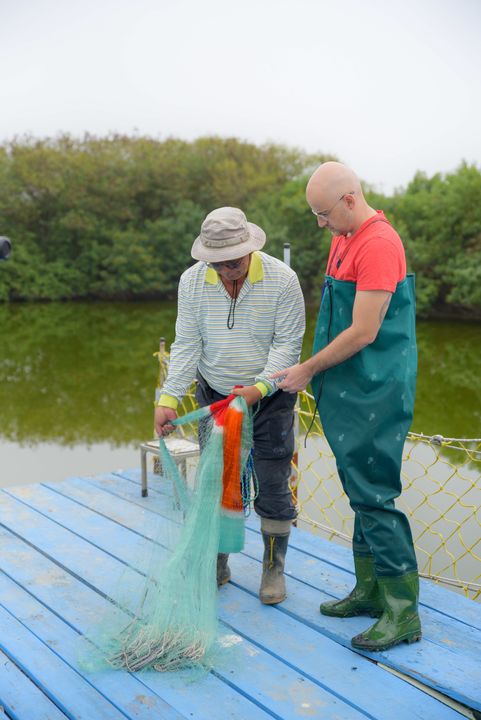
(389, 87)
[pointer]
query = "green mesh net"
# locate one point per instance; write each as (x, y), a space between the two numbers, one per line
(162, 611)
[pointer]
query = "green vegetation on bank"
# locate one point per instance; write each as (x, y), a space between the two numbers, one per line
(115, 217)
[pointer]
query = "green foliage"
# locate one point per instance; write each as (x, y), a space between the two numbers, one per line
(148, 262)
(115, 217)
(442, 217)
(286, 218)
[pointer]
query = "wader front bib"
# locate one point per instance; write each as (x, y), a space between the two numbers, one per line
(366, 407)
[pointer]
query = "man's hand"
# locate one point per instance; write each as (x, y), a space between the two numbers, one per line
(368, 312)
(162, 419)
(251, 394)
(295, 378)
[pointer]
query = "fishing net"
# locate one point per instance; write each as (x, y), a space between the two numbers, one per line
(162, 612)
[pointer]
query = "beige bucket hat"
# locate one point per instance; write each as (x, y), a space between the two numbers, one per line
(225, 235)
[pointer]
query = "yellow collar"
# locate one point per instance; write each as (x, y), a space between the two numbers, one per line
(255, 274)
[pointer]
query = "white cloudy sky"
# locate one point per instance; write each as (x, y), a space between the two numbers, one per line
(389, 86)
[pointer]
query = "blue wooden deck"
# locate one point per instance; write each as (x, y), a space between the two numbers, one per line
(61, 543)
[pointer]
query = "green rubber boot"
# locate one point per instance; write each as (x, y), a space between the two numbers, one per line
(223, 569)
(400, 620)
(364, 599)
(275, 534)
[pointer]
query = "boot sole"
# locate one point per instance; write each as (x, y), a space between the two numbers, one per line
(375, 647)
(354, 613)
(272, 601)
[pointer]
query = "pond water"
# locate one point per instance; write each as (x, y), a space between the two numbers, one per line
(77, 384)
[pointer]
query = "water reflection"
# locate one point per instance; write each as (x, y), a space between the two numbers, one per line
(79, 372)
(75, 373)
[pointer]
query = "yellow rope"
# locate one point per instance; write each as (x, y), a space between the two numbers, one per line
(441, 496)
(163, 358)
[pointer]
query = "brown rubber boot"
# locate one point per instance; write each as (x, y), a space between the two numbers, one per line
(223, 569)
(275, 534)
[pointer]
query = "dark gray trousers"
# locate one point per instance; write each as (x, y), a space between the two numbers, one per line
(273, 429)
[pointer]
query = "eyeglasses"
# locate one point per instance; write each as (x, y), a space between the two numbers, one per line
(325, 214)
(230, 264)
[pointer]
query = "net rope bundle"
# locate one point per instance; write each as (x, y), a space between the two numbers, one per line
(162, 612)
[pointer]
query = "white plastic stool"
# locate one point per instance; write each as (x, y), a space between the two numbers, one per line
(179, 448)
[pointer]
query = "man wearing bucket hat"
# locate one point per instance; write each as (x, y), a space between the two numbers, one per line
(363, 373)
(240, 319)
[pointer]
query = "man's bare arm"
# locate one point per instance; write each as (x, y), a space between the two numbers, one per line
(369, 310)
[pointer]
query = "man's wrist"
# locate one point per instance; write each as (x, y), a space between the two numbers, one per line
(311, 366)
(262, 387)
(167, 401)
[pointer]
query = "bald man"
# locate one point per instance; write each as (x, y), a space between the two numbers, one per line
(363, 374)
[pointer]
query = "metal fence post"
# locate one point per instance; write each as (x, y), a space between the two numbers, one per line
(294, 479)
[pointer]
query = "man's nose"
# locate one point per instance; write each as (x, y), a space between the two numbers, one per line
(322, 222)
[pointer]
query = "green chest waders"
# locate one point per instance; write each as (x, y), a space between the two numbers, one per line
(366, 408)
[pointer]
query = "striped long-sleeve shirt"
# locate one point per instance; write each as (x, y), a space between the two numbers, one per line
(266, 337)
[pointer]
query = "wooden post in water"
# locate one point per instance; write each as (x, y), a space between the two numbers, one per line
(163, 369)
(163, 365)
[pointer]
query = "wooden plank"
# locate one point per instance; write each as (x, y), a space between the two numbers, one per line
(21, 698)
(453, 604)
(80, 606)
(360, 680)
(441, 599)
(112, 540)
(445, 632)
(329, 580)
(131, 695)
(280, 687)
(54, 677)
(270, 684)
(287, 638)
(416, 660)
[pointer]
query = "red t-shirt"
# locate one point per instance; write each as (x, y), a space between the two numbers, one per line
(373, 257)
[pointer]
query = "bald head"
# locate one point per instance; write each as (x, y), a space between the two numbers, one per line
(334, 192)
(331, 180)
